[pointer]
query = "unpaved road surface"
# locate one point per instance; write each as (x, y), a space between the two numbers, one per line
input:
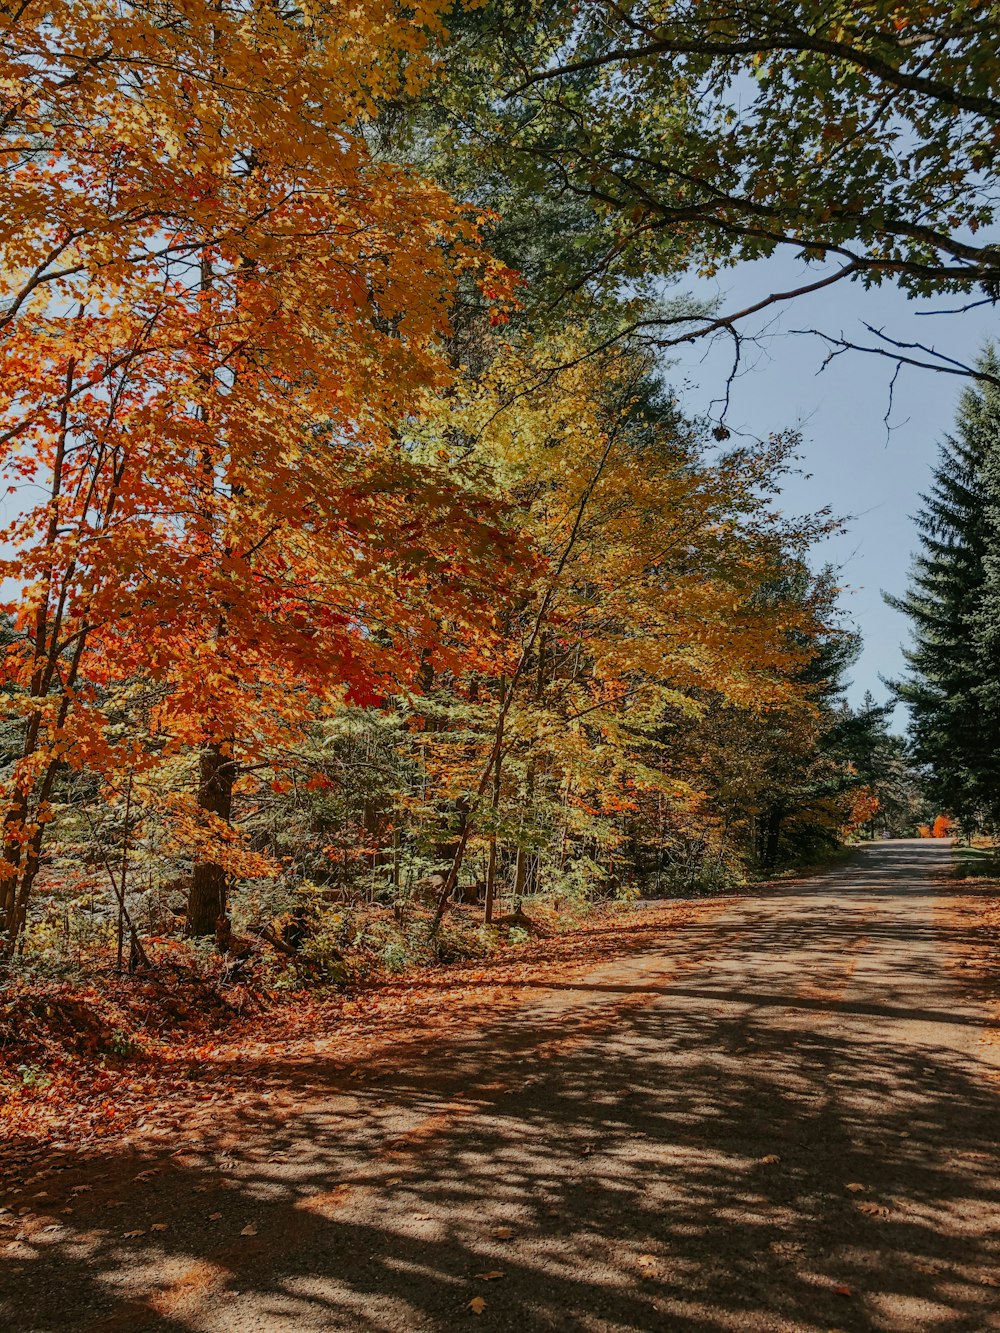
(783, 1118)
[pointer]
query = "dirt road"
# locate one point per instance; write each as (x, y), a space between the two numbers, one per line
(786, 1118)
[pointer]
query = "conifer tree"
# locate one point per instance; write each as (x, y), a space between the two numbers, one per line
(987, 629)
(952, 686)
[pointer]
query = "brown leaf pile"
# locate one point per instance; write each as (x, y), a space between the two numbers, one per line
(152, 1057)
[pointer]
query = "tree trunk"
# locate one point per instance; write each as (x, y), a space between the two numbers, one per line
(520, 874)
(12, 856)
(491, 868)
(206, 909)
(521, 863)
(491, 880)
(772, 834)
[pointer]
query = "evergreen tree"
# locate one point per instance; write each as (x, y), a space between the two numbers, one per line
(988, 618)
(862, 750)
(952, 686)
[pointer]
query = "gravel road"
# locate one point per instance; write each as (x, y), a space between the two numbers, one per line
(782, 1118)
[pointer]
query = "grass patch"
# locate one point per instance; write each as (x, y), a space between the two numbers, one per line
(976, 862)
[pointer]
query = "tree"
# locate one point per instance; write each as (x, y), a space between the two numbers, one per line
(951, 685)
(875, 764)
(219, 306)
(646, 597)
(984, 420)
(772, 778)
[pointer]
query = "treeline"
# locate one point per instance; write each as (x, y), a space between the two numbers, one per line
(360, 547)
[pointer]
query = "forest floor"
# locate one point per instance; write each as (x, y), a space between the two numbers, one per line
(776, 1112)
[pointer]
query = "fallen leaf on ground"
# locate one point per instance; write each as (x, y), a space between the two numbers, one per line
(503, 1233)
(647, 1261)
(491, 1275)
(854, 1187)
(477, 1305)
(250, 1229)
(159, 1226)
(842, 1290)
(214, 1217)
(770, 1160)
(873, 1209)
(131, 1235)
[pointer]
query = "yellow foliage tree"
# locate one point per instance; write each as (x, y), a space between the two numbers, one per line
(646, 601)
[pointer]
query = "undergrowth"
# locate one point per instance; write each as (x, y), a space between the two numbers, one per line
(102, 1018)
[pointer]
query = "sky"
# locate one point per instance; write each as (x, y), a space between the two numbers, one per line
(868, 474)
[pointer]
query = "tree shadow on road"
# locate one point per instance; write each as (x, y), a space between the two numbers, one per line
(707, 1163)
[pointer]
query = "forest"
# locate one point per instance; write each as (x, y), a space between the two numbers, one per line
(359, 551)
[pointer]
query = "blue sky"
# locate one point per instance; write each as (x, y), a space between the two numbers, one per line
(851, 463)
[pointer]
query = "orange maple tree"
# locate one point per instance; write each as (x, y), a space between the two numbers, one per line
(219, 310)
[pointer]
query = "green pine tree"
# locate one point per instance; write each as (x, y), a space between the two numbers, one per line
(952, 685)
(988, 617)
